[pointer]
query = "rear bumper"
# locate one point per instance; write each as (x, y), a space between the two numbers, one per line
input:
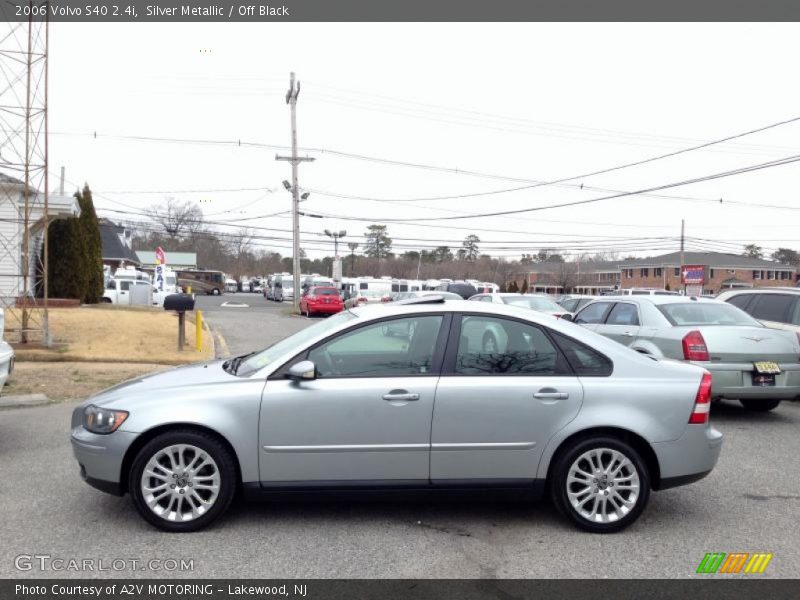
(325, 308)
(689, 458)
(735, 381)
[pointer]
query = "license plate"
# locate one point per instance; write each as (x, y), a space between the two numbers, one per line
(767, 368)
(764, 380)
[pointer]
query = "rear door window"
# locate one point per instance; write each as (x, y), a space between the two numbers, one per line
(740, 300)
(772, 307)
(623, 313)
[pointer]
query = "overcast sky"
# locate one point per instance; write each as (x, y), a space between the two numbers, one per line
(517, 101)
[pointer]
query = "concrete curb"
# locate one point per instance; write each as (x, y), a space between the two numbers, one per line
(23, 400)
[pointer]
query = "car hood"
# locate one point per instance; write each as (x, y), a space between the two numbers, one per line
(195, 375)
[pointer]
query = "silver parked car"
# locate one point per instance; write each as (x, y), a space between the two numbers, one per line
(749, 362)
(342, 405)
(539, 302)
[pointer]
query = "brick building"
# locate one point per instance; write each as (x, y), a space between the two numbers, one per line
(721, 271)
(591, 277)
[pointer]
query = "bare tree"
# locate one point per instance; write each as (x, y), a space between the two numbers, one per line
(238, 244)
(178, 218)
(563, 275)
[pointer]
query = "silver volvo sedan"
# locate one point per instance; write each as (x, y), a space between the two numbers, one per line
(748, 362)
(342, 405)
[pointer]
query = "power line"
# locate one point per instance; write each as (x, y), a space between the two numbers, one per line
(739, 171)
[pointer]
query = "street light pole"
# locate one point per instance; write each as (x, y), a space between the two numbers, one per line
(335, 235)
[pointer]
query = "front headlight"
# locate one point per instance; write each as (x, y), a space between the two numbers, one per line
(103, 420)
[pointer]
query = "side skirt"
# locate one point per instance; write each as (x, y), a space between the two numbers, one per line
(254, 490)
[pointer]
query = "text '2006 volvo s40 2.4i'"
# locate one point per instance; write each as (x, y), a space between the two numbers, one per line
(342, 405)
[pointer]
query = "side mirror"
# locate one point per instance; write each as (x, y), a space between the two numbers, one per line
(305, 370)
(567, 317)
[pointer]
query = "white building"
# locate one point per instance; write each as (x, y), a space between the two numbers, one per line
(13, 272)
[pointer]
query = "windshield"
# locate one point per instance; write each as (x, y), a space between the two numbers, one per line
(269, 355)
(702, 313)
(534, 302)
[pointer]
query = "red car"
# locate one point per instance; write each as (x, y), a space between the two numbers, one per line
(321, 299)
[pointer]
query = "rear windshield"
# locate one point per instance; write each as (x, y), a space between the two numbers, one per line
(325, 291)
(706, 313)
(534, 302)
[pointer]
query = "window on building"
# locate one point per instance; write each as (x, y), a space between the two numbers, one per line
(771, 275)
(658, 272)
(644, 272)
(711, 273)
(756, 274)
(677, 272)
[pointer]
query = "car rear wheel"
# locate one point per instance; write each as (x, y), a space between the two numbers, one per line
(760, 405)
(601, 484)
(182, 480)
(215, 292)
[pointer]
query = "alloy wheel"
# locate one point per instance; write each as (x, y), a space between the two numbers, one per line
(180, 483)
(603, 485)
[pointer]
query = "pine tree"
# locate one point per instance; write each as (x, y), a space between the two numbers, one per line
(66, 252)
(512, 287)
(93, 247)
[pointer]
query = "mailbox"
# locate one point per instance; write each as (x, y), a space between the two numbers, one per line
(179, 302)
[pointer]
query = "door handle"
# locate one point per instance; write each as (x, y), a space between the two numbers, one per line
(395, 396)
(551, 395)
(627, 334)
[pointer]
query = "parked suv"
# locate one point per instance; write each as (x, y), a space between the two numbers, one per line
(778, 308)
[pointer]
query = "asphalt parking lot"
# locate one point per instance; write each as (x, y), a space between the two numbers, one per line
(749, 503)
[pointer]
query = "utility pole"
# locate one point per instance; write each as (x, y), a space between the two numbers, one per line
(683, 285)
(291, 100)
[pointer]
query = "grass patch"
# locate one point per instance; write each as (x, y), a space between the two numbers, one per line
(82, 379)
(117, 334)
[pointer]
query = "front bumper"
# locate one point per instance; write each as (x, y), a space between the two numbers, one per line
(689, 458)
(100, 457)
(735, 381)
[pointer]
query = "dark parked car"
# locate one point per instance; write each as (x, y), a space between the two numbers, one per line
(462, 288)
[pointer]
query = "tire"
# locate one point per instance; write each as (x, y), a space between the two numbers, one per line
(592, 498)
(489, 343)
(206, 502)
(215, 292)
(760, 405)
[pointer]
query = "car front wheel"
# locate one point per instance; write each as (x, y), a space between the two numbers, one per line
(601, 484)
(182, 480)
(760, 405)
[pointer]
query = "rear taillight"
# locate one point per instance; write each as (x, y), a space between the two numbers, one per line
(694, 346)
(702, 402)
(362, 299)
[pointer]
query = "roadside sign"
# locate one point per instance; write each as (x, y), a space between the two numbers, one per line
(161, 263)
(693, 275)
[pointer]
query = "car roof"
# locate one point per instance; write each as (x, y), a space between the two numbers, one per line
(771, 290)
(658, 299)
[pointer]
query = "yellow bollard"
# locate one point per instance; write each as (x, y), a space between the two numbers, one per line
(198, 332)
